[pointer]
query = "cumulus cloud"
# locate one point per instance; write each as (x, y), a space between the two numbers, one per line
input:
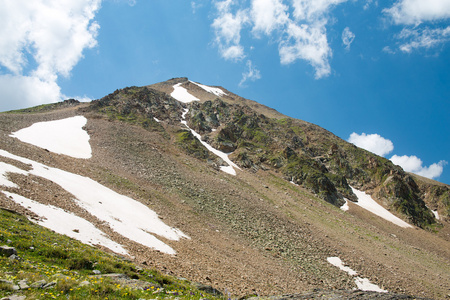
(413, 12)
(298, 26)
(423, 38)
(41, 40)
(414, 164)
(347, 37)
(268, 15)
(372, 142)
(227, 28)
(307, 42)
(252, 73)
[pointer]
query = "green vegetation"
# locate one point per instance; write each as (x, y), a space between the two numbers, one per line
(66, 267)
(188, 142)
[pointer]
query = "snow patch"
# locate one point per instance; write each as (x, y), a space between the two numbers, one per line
(216, 91)
(337, 262)
(363, 284)
(67, 223)
(156, 120)
(366, 202)
(436, 214)
(64, 136)
(182, 95)
(345, 207)
(124, 215)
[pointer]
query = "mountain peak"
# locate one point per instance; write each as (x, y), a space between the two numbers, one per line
(244, 183)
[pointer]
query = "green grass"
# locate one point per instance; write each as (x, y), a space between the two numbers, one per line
(48, 256)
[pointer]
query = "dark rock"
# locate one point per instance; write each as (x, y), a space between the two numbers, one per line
(208, 289)
(7, 251)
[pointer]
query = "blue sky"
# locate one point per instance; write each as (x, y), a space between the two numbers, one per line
(372, 72)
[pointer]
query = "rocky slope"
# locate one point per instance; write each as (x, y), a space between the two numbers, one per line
(269, 229)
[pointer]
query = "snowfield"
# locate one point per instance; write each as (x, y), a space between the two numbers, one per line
(366, 202)
(216, 91)
(363, 284)
(64, 136)
(67, 223)
(182, 95)
(124, 215)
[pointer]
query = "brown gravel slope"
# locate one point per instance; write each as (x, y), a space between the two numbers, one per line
(253, 233)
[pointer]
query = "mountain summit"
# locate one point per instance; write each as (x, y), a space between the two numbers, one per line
(201, 183)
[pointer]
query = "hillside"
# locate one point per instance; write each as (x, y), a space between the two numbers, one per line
(266, 230)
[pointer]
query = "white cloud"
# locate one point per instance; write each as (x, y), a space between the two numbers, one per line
(300, 36)
(368, 3)
(372, 142)
(26, 91)
(227, 29)
(268, 15)
(410, 12)
(313, 9)
(388, 50)
(307, 42)
(347, 37)
(425, 38)
(252, 73)
(413, 164)
(53, 34)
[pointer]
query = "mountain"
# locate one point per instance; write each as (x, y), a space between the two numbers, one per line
(238, 195)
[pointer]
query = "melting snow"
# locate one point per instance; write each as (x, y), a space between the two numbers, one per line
(436, 214)
(345, 207)
(64, 136)
(182, 95)
(362, 283)
(231, 165)
(124, 215)
(216, 91)
(6, 168)
(366, 202)
(67, 223)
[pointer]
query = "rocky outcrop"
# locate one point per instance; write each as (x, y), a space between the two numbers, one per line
(304, 153)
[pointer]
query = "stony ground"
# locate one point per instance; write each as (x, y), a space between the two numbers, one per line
(250, 234)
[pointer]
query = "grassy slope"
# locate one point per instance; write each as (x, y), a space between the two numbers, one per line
(48, 256)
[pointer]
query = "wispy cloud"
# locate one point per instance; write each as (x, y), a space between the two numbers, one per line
(53, 35)
(251, 73)
(299, 28)
(420, 19)
(347, 37)
(425, 38)
(414, 165)
(372, 142)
